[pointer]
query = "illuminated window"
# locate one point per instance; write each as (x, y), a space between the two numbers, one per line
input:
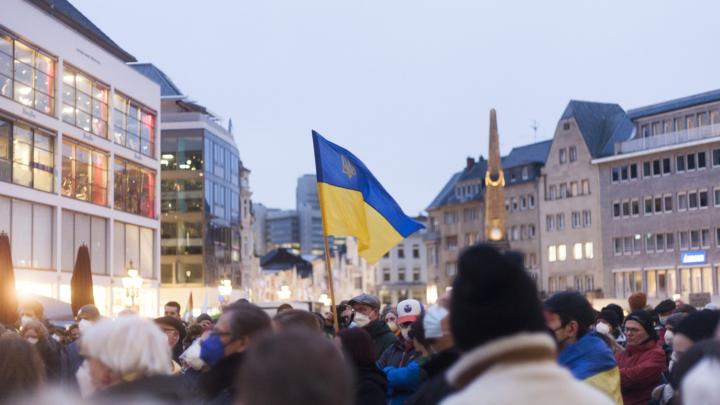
(562, 252)
(33, 158)
(552, 253)
(27, 75)
(84, 173)
(85, 102)
(578, 251)
(134, 125)
(134, 188)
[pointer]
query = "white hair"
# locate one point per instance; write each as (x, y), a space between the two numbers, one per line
(699, 386)
(129, 345)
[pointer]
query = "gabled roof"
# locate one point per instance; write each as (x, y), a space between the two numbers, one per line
(676, 104)
(523, 155)
(601, 125)
(68, 14)
(167, 87)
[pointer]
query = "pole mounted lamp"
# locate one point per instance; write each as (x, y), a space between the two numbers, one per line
(132, 284)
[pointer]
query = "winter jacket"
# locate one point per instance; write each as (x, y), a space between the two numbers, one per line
(436, 388)
(640, 370)
(381, 335)
(370, 387)
(159, 389)
(399, 354)
(216, 386)
(404, 381)
(591, 360)
(517, 369)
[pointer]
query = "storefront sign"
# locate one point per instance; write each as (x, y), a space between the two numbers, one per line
(693, 257)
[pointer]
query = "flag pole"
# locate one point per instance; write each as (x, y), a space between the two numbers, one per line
(328, 264)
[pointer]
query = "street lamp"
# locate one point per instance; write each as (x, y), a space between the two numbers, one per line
(225, 289)
(325, 300)
(284, 293)
(132, 284)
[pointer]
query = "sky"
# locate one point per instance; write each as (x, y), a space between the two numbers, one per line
(407, 85)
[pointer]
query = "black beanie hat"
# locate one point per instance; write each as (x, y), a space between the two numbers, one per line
(493, 287)
(618, 311)
(571, 305)
(665, 306)
(645, 320)
(610, 316)
(699, 325)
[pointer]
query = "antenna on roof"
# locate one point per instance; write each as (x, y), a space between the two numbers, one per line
(535, 127)
(230, 125)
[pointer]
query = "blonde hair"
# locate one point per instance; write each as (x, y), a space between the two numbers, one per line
(129, 345)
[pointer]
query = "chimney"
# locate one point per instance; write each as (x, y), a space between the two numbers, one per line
(470, 163)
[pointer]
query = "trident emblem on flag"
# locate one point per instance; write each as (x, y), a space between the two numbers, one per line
(347, 167)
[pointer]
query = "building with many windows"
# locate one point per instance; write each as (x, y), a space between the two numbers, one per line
(79, 159)
(206, 220)
(660, 200)
(402, 272)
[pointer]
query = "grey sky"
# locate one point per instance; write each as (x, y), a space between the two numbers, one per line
(407, 84)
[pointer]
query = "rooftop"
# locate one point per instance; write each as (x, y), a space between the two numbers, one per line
(601, 125)
(675, 104)
(167, 87)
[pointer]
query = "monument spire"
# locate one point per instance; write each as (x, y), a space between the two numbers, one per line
(495, 214)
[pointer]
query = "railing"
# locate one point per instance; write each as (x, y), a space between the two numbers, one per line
(667, 139)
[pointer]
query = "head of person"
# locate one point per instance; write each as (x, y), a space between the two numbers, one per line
(238, 326)
(416, 335)
(671, 324)
(87, 316)
(296, 318)
(22, 371)
(390, 317)
(569, 315)
(345, 314)
(310, 367)
(366, 308)
(125, 349)
(637, 301)
(30, 310)
(205, 321)
(664, 309)
(639, 328)
(607, 323)
(283, 307)
(193, 332)
(618, 311)
(693, 328)
(173, 328)
(357, 346)
(408, 313)
(436, 327)
(73, 332)
(695, 375)
(685, 309)
(492, 287)
(172, 308)
(34, 332)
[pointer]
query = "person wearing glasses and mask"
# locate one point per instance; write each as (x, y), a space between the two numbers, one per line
(643, 360)
(366, 309)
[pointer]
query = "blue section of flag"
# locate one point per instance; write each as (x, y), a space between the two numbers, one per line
(333, 170)
(588, 356)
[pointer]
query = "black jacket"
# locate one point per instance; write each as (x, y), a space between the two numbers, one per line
(216, 386)
(436, 388)
(397, 355)
(381, 335)
(159, 389)
(370, 387)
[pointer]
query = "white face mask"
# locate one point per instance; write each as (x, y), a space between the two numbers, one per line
(84, 382)
(393, 326)
(361, 320)
(24, 320)
(191, 356)
(33, 340)
(602, 328)
(84, 325)
(669, 336)
(405, 332)
(663, 319)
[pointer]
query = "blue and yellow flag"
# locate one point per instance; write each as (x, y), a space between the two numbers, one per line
(355, 204)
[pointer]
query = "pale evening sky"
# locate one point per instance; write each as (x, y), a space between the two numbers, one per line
(407, 84)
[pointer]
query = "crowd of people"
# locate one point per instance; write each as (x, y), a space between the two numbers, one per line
(490, 340)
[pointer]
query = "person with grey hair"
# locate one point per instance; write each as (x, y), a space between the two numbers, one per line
(128, 360)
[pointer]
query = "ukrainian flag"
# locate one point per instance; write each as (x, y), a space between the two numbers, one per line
(354, 203)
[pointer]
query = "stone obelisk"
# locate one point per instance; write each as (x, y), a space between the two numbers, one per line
(495, 215)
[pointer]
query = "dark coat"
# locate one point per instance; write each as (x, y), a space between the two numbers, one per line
(381, 335)
(397, 355)
(436, 388)
(216, 386)
(641, 368)
(370, 387)
(159, 389)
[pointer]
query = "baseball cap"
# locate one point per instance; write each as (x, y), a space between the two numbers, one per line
(366, 299)
(408, 311)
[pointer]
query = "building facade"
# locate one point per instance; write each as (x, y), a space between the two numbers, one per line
(79, 157)
(660, 201)
(309, 217)
(402, 272)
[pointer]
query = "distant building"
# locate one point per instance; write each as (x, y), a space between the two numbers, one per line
(282, 229)
(402, 272)
(309, 217)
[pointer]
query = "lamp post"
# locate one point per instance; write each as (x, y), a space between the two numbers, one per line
(132, 284)
(225, 290)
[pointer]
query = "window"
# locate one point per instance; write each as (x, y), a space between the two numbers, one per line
(660, 242)
(701, 160)
(134, 125)
(401, 253)
(575, 220)
(658, 205)
(618, 246)
(649, 243)
(587, 219)
(645, 130)
(633, 171)
(78, 229)
(552, 192)
(531, 201)
(30, 230)
(648, 205)
(525, 173)
(560, 221)
(635, 207)
(615, 174)
(637, 243)
(563, 190)
(134, 244)
(626, 208)
(401, 274)
(85, 102)
(84, 173)
(669, 241)
(694, 239)
(717, 197)
(682, 201)
(666, 166)
(646, 169)
(717, 237)
(563, 155)
(684, 243)
(668, 203)
(586, 187)
(134, 188)
(33, 157)
(680, 163)
(703, 197)
(628, 242)
(523, 203)
(573, 189)
(531, 231)
(451, 242)
(562, 252)
(552, 253)
(617, 213)
(416, 251)
(416, 274)
(386, 274)
(573, 153)
(589, 250)
(690, 161)
(716, 157)
(705, 237)
(451, 269)
(514, 204)
(550, 222)
(624, 173)
(692, 200)
(656, 167)
(27, 75)
(450, 217)
(578, 251)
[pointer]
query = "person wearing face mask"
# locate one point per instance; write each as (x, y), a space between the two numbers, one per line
(402, 352)
(607, 325)
(366, 310)
(224, 350)
(36, 334)
(583, 351)
(390, 317)
(87, 316)
(664, 309)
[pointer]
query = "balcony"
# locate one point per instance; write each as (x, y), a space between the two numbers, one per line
(668, 139)
(431, 236)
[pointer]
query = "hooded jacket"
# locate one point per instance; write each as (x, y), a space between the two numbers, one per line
(381, 335)
(640, 370)
(591, 360)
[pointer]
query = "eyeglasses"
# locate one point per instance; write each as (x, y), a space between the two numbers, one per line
(632, 330)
